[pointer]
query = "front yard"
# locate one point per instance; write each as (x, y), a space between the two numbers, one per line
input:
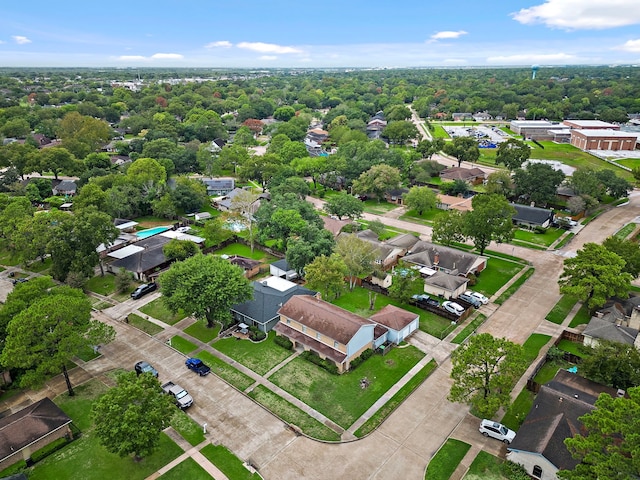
(544, 239)
(259, 357)
(496, 275)
(341, 397)
(158, 310)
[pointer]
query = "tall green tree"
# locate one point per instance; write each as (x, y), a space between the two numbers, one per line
(513, 153)
(304, 248)
(490, 220)
(500, 182)
(205, 285)
(45, 336)
(344, 205)
(179, 249)
(628, 250)
(464, 149)
(130, 417)
(611, 447)
(594, 275)
(358, 255)
(326, 275)
(406, 281)
(614, 364)
(421, 199)
(449, 228)
(484, 371)
(377, 181)
(538, 183)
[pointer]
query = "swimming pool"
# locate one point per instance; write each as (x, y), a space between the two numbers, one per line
(151, 232)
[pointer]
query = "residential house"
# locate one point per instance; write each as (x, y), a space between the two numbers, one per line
(334, 225)
(65, 187)
(388, 255)
(268, 296)
(618, 321)
(376, 125)
(449, 202)
(531, 217)
(30, 429)
(539, 445)
(332, 332)
(461, 116)
(225, 202)
(219, 186)
(251, 267)
(282, 269)
(445, 285)
(201, 216)
(119, 160)
(439, 258)
(399, 323)
(395, 195)
(482, 116)
(473, 176)
(144, 259)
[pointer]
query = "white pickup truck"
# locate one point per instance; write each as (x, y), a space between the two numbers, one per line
(181, 396)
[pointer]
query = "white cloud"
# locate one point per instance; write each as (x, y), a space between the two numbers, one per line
(268, 47)
(582, 14)
(167, 56)
(448, 34)
(132, 58)
(268, 57)
(630, 46)
(219, 44)
(20, 40)
(521, 59)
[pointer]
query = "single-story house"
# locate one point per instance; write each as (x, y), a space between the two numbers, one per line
(530, 217)
(332, 332)
(65, 187)
(400, 323)
(144, 259)
(334, 225)
(539, 445)
(445, 259)
(125, 225)
(268, 296)
(449, 202)
(461, 116)
(282, 269)
(445, 285)
(395, 195)
(614, 324)
(225, 202)
(482, 116)
(251, 267)
(31, 429)
(219, 186)
(388, 254)
(473, 176)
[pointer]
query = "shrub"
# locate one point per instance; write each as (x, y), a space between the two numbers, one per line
(328, 365)
(123, 280)
(284, 342)
(358, 361)
(48, 449)
(473, 279)
(539, 229)
(555, 354)
(256, 334)
(514, 471)
(348, 228)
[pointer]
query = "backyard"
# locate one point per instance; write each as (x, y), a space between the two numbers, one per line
(245, 251)
(341, 397)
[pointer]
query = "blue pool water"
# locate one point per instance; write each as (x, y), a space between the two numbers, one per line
(151, 232)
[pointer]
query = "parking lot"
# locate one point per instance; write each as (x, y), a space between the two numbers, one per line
(480, 132)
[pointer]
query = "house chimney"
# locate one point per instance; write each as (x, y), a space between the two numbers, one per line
(436, 258)
(634, 320)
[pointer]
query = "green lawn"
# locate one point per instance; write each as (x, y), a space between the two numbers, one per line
(565, 240)
(513, 288)
(39, 266)
(545, 239)
(158, 310)
(485, 467)
(378, 208)
(446, 460)
(340, 397)
(625, 231)
(144, 325)
(576, 348)
(533, 345)
(203, 333)
(561, 309)
(582, 317)
(87, 354)
(245, 251)
(9, 258)
(426, 218)
(400, 396)
(99, 304)
(182, 344)
(102, 285)
(85, 458)
(188, 468)
(549, 370)
(439, 132)
(259, 357)
(518, 410)
(628, 162)
(357, 301)
(187, 428)
(228, 463)
(496, 275)
(231, 375)
(469, 329)
(292, 414)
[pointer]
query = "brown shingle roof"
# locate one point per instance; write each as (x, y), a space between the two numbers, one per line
(330, 320)
(28, 425)
(394, 317)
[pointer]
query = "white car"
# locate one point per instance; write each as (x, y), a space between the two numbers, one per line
(453, 307)
(484, 300)
(493, 429)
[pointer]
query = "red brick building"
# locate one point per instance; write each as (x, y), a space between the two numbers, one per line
(587, 139)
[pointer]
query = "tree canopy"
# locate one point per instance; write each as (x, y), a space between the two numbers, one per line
(490, 220)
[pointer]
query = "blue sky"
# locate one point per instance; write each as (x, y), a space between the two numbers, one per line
(328, 33)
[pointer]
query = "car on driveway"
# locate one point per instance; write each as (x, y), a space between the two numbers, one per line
(16, 281)
(425, 299)
(484, 300)
(197, 366)
(453, 307)
(489, 428)
(470, 299)
(143, 289)
(145, 367)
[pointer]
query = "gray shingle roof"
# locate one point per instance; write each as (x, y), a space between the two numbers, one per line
(424, 254)
(267, 300)
(534, 215)
(446, 281)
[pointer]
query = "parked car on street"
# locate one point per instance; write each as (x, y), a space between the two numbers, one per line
(493, 429)
(484, 300)
(425, 299)
(16, 281)
(143, 289)
(145, 367)
(453, 307)
(197, 366)
(470, 299)
(179, 394)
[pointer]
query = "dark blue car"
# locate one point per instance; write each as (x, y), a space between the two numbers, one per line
(197, 366)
